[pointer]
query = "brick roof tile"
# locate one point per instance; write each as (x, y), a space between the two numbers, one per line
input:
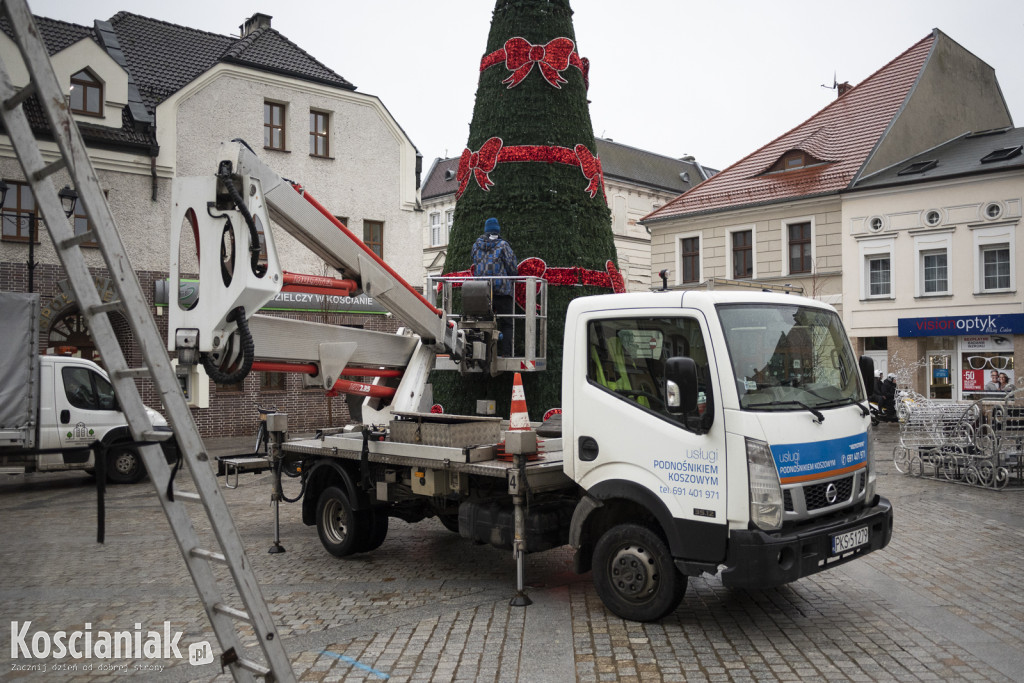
(842, 135)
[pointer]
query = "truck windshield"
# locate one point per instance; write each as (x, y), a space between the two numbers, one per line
(788, 358)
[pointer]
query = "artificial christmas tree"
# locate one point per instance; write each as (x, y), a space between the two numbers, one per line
(530, 163)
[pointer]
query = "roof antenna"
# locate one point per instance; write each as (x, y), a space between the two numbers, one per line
(835, 83)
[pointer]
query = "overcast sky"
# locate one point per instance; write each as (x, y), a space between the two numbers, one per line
(713, 79)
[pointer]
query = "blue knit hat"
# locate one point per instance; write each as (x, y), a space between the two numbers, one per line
(491, 225)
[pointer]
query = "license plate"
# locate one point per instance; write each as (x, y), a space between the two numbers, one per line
(849, 540)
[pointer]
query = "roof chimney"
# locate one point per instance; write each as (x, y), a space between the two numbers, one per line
(256, 21)
(843, 88)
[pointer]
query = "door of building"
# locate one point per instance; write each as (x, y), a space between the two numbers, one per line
(941, 371)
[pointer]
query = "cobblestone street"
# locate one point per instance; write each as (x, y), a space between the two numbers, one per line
(942, 602)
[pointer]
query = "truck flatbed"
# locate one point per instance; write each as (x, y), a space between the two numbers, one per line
(545, 472)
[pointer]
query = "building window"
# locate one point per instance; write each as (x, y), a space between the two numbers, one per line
(373, 236)
(319, 134)
(689, 259)
(995, 265)
(879, 276)
(435, 229)
(19, 216)
(273, 126)
(799, 235)
(82, 224)
(449, 218)
(876, 343)
(272, 381)
(743, 254)
(993, 210)
(793, 160)
(935, 275)
(236, 388)
(86, 94)
(933, 270)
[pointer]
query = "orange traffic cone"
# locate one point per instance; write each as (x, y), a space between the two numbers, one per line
(519, 417)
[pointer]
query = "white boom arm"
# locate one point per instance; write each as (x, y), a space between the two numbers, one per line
(227, 219)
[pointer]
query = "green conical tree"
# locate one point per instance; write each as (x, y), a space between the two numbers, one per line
(530, 162)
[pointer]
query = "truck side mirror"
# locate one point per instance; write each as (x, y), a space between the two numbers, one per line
(681, 385)
(867, 371)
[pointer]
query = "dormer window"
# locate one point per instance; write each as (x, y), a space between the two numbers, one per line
(794, 160)
(86, 94)
(918, 167)
(1002, 154)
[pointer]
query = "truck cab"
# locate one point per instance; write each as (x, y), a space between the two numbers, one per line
(714, 432)
(77, 407)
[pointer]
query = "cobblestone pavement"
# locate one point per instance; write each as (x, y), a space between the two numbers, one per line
(943, 602)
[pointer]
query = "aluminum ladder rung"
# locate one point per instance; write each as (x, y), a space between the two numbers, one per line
(105, 308)
(189, 496)
(132, 373)
(87, 237)
(51, 168)
(252, 666)
(19, 97)
(204, 554)
(232, 612)
(156, 435)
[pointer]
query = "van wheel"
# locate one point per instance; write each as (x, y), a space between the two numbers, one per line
(124, 466)
(634, 574)
(337, 523)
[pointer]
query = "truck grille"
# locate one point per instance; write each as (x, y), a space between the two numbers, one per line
(814, 494)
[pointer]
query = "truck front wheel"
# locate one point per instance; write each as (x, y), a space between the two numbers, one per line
(124, 466)
(336, 523)
(634, 574)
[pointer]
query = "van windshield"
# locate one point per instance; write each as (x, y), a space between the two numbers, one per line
(787, 358)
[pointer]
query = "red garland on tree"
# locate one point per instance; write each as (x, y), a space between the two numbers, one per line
(573, 276)
(519, 55)
(493, 152)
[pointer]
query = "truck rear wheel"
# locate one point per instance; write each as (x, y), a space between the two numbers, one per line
(634, 574)
(124, 466)
(374, 524)
(337, 523)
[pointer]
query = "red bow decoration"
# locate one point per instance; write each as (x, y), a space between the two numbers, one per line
(591, 167)
(572, 276)
(480, 163)
(553, 58)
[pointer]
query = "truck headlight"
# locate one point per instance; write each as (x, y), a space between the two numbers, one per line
(765, 489)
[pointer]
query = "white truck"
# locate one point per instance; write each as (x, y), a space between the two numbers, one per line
(54, 408)
(701, 431)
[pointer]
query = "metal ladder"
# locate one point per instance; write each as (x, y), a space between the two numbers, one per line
(133, 306)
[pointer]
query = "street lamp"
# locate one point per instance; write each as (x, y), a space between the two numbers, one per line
(68, 199)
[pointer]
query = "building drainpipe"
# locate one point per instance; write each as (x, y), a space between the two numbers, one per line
(152, 171)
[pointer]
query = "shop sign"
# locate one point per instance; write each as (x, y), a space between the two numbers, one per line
(949, 326)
